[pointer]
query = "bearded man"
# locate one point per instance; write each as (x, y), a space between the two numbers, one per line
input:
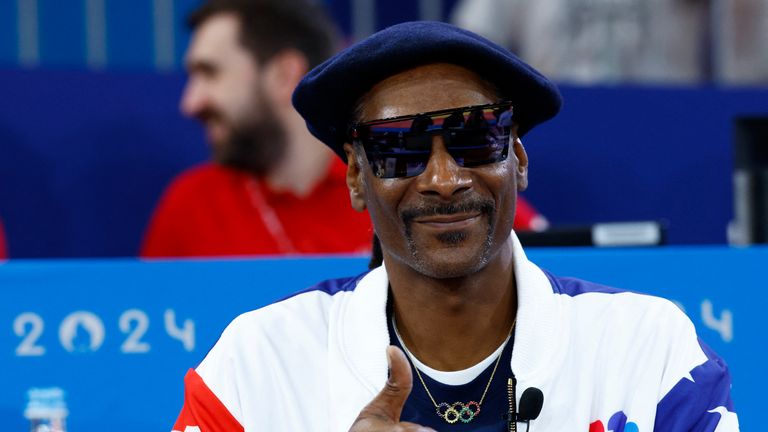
(272, 188)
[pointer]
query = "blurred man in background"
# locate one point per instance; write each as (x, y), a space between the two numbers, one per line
(272, 188)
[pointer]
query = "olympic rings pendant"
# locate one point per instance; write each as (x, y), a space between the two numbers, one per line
(458, 411)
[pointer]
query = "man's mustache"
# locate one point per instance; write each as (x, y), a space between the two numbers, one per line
(209, 115)
(469, 206)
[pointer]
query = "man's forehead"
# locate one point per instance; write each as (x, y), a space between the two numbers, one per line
(424, 88)
(216, 39)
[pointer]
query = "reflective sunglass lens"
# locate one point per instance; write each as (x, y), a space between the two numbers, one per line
(398, 165)
(401, 147)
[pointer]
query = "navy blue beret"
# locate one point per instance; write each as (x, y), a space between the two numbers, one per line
(327, 95)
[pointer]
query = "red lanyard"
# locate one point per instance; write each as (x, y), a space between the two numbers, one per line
(269, 218)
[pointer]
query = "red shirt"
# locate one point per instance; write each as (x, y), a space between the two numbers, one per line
(3, 251)
(527, 218)
(212, 210)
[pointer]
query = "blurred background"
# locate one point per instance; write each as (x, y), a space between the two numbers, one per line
(664, 121)
(90, 131)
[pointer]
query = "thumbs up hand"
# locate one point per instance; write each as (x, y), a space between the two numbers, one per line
(382, 414)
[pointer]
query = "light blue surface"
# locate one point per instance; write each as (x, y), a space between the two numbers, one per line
(144, 390)
(130, 28)
(8, 34)
(61, 33)
(130, 34)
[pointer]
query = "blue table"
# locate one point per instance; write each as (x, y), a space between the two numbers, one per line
(118, 335)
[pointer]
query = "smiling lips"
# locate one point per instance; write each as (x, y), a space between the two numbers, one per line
(453, 221)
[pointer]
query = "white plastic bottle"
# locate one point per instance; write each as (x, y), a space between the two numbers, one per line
(46, 410)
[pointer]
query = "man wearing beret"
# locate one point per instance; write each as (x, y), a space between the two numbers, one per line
(456, 330)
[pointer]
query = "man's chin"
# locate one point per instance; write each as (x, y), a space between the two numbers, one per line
(217, 138)
(452, 255)
(219, 152)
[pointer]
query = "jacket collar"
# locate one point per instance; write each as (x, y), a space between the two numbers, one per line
(538, 339)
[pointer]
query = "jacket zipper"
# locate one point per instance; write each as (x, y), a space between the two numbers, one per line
(512, 419)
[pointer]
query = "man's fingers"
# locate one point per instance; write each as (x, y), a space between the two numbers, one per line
(391, 399)
(383, 413)
(400, 380)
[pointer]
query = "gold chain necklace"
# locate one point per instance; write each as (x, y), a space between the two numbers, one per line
(457, 411)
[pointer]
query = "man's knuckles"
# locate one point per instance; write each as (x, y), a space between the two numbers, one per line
(396, 390)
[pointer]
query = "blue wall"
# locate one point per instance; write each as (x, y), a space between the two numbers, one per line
(84, 157)
(629, 153)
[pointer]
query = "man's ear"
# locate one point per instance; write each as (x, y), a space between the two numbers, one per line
(521, 171)
(283, 72)
(355, 179)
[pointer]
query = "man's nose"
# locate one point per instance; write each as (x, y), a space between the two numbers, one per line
(193, 99)
(443, 177)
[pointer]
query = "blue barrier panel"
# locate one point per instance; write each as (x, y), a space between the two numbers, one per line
(118, 336)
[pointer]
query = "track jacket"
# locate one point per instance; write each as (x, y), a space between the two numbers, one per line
(605, 360)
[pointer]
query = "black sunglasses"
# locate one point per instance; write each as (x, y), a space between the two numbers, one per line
(401, 146)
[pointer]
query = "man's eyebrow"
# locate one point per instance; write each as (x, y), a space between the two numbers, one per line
(202, 66)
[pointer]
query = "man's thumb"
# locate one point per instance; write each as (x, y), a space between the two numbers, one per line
(392, 397)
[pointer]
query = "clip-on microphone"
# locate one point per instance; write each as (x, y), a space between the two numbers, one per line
(530, 406)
